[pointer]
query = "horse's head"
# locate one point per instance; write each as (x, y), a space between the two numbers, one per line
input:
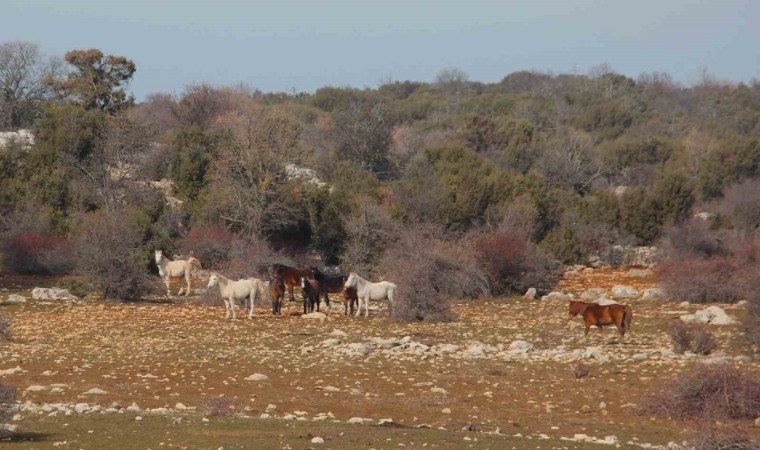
(159, 256)
(351, 281)
(576, 308)
(316, 274)
(276, 269)
(213, 280)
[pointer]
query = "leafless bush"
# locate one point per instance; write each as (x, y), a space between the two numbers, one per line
(6, 333)
(7, 402)
(515, 264)
(710, 438)
(741, 204)
(38, 253)
(694, 237)
(699, 280)
(211, 245)
(708, 391)
(109, 257)
(369, 232)
(429, 272)
(222, 405)
(691, 337)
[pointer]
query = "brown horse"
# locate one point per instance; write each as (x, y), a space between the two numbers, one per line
(276, 293)
(291, 276)
(332, 285)
(601, 315)
(310, 289)
(350, 297)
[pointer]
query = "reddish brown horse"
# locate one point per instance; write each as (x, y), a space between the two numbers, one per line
(291, 276)
(276, 294)
(350, 297)
(601, 315)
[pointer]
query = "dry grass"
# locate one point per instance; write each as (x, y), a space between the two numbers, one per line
(691, 337)
(222, 405)
(6, 332)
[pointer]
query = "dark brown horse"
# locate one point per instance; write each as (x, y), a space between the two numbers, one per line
(276, 294)
(601, 315)
(310, 289)
(291, 276)
(331, 285)
(350, 297)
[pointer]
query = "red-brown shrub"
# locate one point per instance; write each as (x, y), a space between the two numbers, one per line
(6, 333)
(38, 253)
(211, 245)
(699, 280)
(708, 391)
(222, 405)
(514, 264)
(7, 402)
(691, 337)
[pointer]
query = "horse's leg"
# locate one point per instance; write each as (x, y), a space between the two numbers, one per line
(166, 281)
(252, 297)
(187, 278)
(359, 301)
(226, 308)
(366, 307)
(290, 290)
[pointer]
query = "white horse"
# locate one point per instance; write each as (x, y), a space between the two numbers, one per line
(247, 289)
(175, 269)
(367, 291)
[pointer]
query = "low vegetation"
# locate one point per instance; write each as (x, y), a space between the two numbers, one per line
(691, 337)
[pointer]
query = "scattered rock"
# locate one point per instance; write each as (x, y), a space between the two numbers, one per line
(620, 292)
(338, 334)
(530, 294)
(317, 440)
(95, 391)
(11, 371)
(14, 299)
(714, 315)
(639, 273)
(315, 315)
(257, 377)
(36, 388)
(39, 293)
(330, 342)
(520, 347)
(653, 294)
(557, 296)
(438, 390)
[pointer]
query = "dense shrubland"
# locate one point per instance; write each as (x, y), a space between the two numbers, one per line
(513, 178)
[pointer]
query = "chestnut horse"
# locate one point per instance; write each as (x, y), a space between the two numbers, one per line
(332, 285)
(276, 294)
(601, 315)
(350, 298)
(291, 276)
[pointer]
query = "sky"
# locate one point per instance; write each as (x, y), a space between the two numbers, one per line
(301, 45)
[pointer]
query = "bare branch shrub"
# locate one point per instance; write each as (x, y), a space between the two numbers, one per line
(430, 272)
(691, 337)
(222, 405)
(6, 333)
(741, 204)
(708, 391)
(109, 255)
(710, 438)
(694, 237)
(700, 280)
(211, 245)
(7, 405)
(515, 264)
(28, 245)
(369, 232)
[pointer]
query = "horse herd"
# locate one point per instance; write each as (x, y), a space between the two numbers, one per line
(314, 285)
(355, 289)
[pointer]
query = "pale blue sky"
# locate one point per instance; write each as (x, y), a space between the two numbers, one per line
(304, 45)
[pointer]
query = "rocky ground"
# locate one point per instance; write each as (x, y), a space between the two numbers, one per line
(511, 373)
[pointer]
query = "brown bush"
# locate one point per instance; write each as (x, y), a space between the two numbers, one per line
(699, 280)
(514, 264)
(694, 237)
(7, 402)
(710, 438)
(109, 255)
(741, 204)
(222, 405)
(430, 272)
(691, 337)
(37, 253)
(708, 391)
(6, 333)
(211, 245)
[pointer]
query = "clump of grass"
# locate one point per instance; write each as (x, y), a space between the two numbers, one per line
(6, 333)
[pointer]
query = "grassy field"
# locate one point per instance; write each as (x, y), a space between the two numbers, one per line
(481, 395)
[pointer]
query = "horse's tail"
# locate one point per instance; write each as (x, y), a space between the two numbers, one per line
(627, 317)
(193, 261)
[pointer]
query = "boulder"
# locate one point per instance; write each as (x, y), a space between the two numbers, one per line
(39, 293)
(530, 294)
(557, 296)
(15, 299)
(95, 391)
(592, 294)
(653, 294)
(315, 315)
(714, 315)
(338, 334)
(639, 273)
(520, 346)
(620, 292)
(357, 349)
(257, 377)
